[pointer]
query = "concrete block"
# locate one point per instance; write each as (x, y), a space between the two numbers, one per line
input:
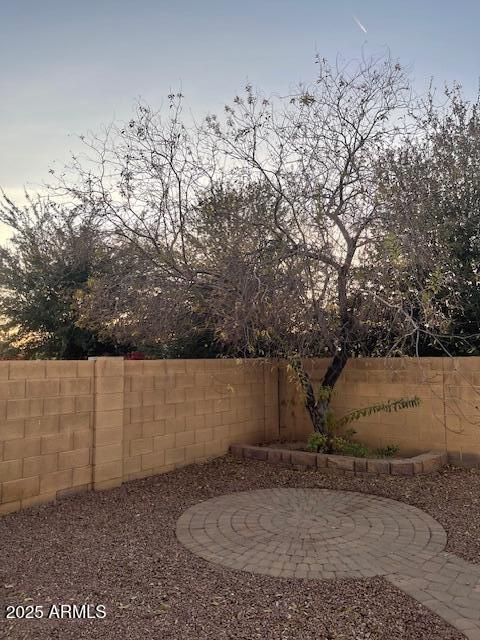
(153, 428)
(61, 368)
(153, 459)
(57, 442)
(175, 456)
(74, 422)
(60, 405)
(378, 466)
(174, 425)
(109, 402)
(141, 383)
(134, 367)
(74, 458)
(108, 453)
(236, 450)
(175, 396)
(185, 409)
(43, 498)
(184, 438)
(197, 422)
(106, 485)
(109, 367)
(24, 408)
(303, 458)
(42, 388)
(28, 369)
(360, 465)
(132, 399)
(274, 455)
(12, 429)
(162, 411)
(322, 460)
(164, 381)
(81, 386)
(132, 464)
(20, 489)
(42, 425)
(105, 419)
(107, 385)
(154, 367)
(85, 369)
(84, 403)
(203, 407)
(401, 467)
(82, 475)
(10, 470)
(22, 448)
(108, 436)
(203, 435)
(194, 452)
(140, 446)
(82, 439)
(108, 472)
(142, 414)
(10, 507)
(39, 465)
(153, 397)
(12, 389)
(56, 481)
(255, 453)
(215, 448)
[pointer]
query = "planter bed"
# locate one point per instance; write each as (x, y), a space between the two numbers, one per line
(347, 465)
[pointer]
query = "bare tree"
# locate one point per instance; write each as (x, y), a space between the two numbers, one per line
(259, 225)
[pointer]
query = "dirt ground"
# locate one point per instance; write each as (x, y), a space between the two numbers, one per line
(118, 548)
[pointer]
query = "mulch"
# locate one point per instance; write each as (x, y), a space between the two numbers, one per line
(118, 548)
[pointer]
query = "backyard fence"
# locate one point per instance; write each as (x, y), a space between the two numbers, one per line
(69, 426)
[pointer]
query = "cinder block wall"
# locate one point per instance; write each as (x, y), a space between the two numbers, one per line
(448, 418)
(68, 426)
(46, 419)
(182, 411)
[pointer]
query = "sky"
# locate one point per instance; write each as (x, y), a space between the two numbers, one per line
(70, 66)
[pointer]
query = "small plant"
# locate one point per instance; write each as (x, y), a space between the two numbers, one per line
(356, 449)
(320, 443)
(388, 407)
(317, 443)
(329, 442)
(388, 451)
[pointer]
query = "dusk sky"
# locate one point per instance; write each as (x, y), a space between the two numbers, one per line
(68, 67)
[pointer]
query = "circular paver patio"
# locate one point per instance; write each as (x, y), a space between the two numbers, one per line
(310, 533)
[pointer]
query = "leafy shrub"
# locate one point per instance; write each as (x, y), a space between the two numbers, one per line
(320, 443)
(330, 442)
(317, 443)
(388, 407)
(356, 449)
(388, 451)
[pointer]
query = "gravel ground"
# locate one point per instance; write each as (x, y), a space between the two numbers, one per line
(118, 548)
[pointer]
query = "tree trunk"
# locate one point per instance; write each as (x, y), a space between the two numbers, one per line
(340, 358)
(330, 378)
(317, 409)
(316, 416)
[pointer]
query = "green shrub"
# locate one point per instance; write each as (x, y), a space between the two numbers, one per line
(356, 449)
(330, 442)
(388, 451)
(317, 443)
(344, 445)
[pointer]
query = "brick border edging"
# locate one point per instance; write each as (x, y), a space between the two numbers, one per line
(417, 465)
